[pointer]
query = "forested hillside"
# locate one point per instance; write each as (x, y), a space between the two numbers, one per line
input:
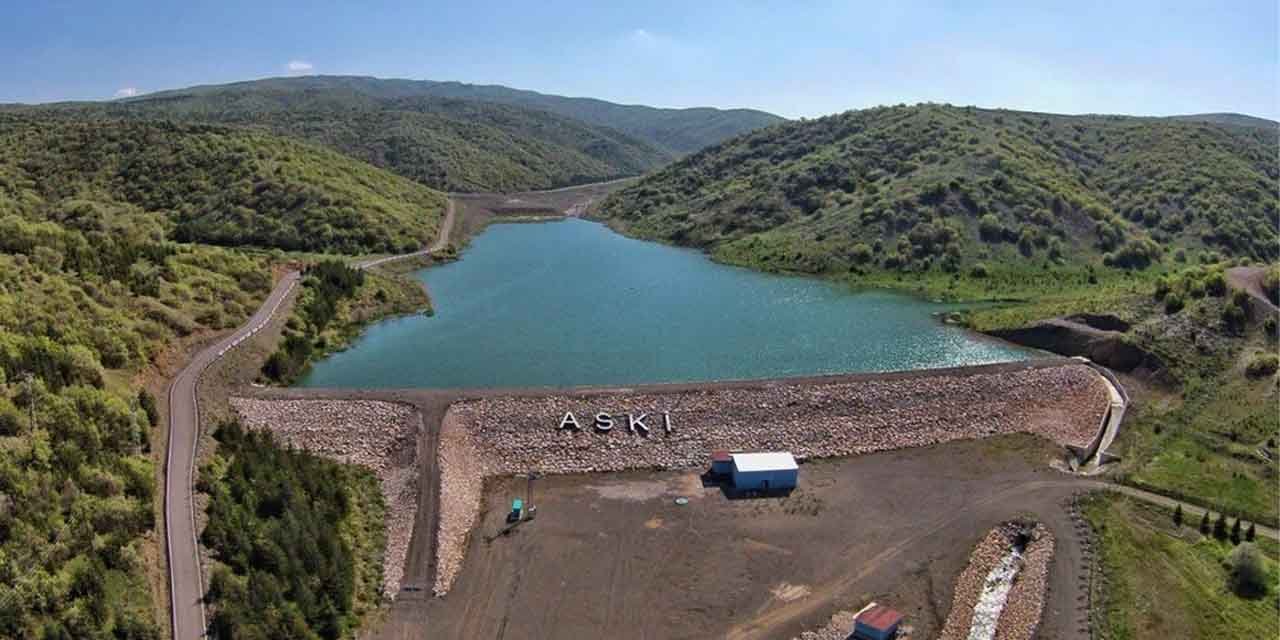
(680, 131)
(950, 189)
(211, 184)
(97, 280)
(677, 131)
(90, 293)
(448, 144)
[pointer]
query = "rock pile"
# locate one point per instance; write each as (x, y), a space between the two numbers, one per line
(382, 436)
(501, 436)
(1020, 617)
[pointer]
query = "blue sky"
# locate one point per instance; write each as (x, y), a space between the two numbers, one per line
(791, 58)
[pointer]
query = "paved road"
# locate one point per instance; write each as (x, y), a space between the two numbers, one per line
(186, 581)
(186, 584)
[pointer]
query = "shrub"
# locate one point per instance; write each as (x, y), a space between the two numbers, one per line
(979, 270)
(1174, 302)
(1262, 365)
(1248, 575)
(1271, 284)
(1216, 284)
(990, 229)
(860, 253)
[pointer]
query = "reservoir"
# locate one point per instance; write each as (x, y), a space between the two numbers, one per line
(573, 303)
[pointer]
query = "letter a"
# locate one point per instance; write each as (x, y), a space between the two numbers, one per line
(569, 422)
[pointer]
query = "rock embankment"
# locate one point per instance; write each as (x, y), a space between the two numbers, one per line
(382, 436)
(501, 436)
(1024, 604)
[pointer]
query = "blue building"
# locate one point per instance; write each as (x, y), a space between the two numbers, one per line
(765, 471)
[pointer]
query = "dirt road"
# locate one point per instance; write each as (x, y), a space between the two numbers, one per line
(186, 581)
(441, 241)
(1249, 280)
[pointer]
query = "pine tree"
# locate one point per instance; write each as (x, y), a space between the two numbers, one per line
(1204, 524)
(1251, 533)
(1177, 516)
(1220, 527)
(1235, 532)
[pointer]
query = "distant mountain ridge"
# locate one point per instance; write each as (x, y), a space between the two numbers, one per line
(1237, 119)
(678, 131)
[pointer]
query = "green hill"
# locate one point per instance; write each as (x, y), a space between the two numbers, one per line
(104, 269)
(934, 188)
(444, 143)
(212, 184)
(676, 131)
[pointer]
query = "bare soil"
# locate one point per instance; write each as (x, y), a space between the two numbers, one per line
(614, 556)
(478, 210)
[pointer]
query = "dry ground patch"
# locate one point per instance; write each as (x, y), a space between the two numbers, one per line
(614, 555)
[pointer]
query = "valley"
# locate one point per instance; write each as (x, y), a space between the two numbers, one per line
(275, 357)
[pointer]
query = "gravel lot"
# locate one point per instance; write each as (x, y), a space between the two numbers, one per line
(501, 436)
(379, 435)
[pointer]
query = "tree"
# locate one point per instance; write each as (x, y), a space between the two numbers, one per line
(1177, 516)
(1251, 533)
(1220, 527)
(1248, 576)
(1235, 532)
(1204, 524)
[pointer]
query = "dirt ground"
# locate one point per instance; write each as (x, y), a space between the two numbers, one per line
(477, 210)
(613, 556)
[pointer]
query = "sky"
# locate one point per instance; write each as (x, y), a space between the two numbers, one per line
(796, 58)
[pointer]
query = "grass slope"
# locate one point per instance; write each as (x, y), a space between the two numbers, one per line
(1167, 583)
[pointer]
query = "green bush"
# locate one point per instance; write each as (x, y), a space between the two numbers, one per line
(1174, 302)
(1247, 571)
(1262, 365)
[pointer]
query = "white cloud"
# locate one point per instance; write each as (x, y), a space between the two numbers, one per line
(299, 66)
(127, 92)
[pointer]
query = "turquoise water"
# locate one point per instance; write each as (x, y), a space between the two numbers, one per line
(573, 303)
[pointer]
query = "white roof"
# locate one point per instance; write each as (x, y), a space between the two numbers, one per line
(764, 461)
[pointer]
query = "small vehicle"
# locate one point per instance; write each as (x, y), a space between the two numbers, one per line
(517, 510)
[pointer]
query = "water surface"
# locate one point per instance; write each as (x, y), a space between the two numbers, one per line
(573, 303)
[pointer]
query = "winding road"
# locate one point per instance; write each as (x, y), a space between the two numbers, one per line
(185, 576)
(186, 580)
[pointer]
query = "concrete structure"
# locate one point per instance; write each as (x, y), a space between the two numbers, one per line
(765, 471)
(876, 622)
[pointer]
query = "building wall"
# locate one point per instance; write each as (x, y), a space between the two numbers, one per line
(754, 480)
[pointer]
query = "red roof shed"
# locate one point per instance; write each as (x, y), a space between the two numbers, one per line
(877, 623)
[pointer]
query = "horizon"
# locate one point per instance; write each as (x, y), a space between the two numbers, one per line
(144, 95)
(1152, 59)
